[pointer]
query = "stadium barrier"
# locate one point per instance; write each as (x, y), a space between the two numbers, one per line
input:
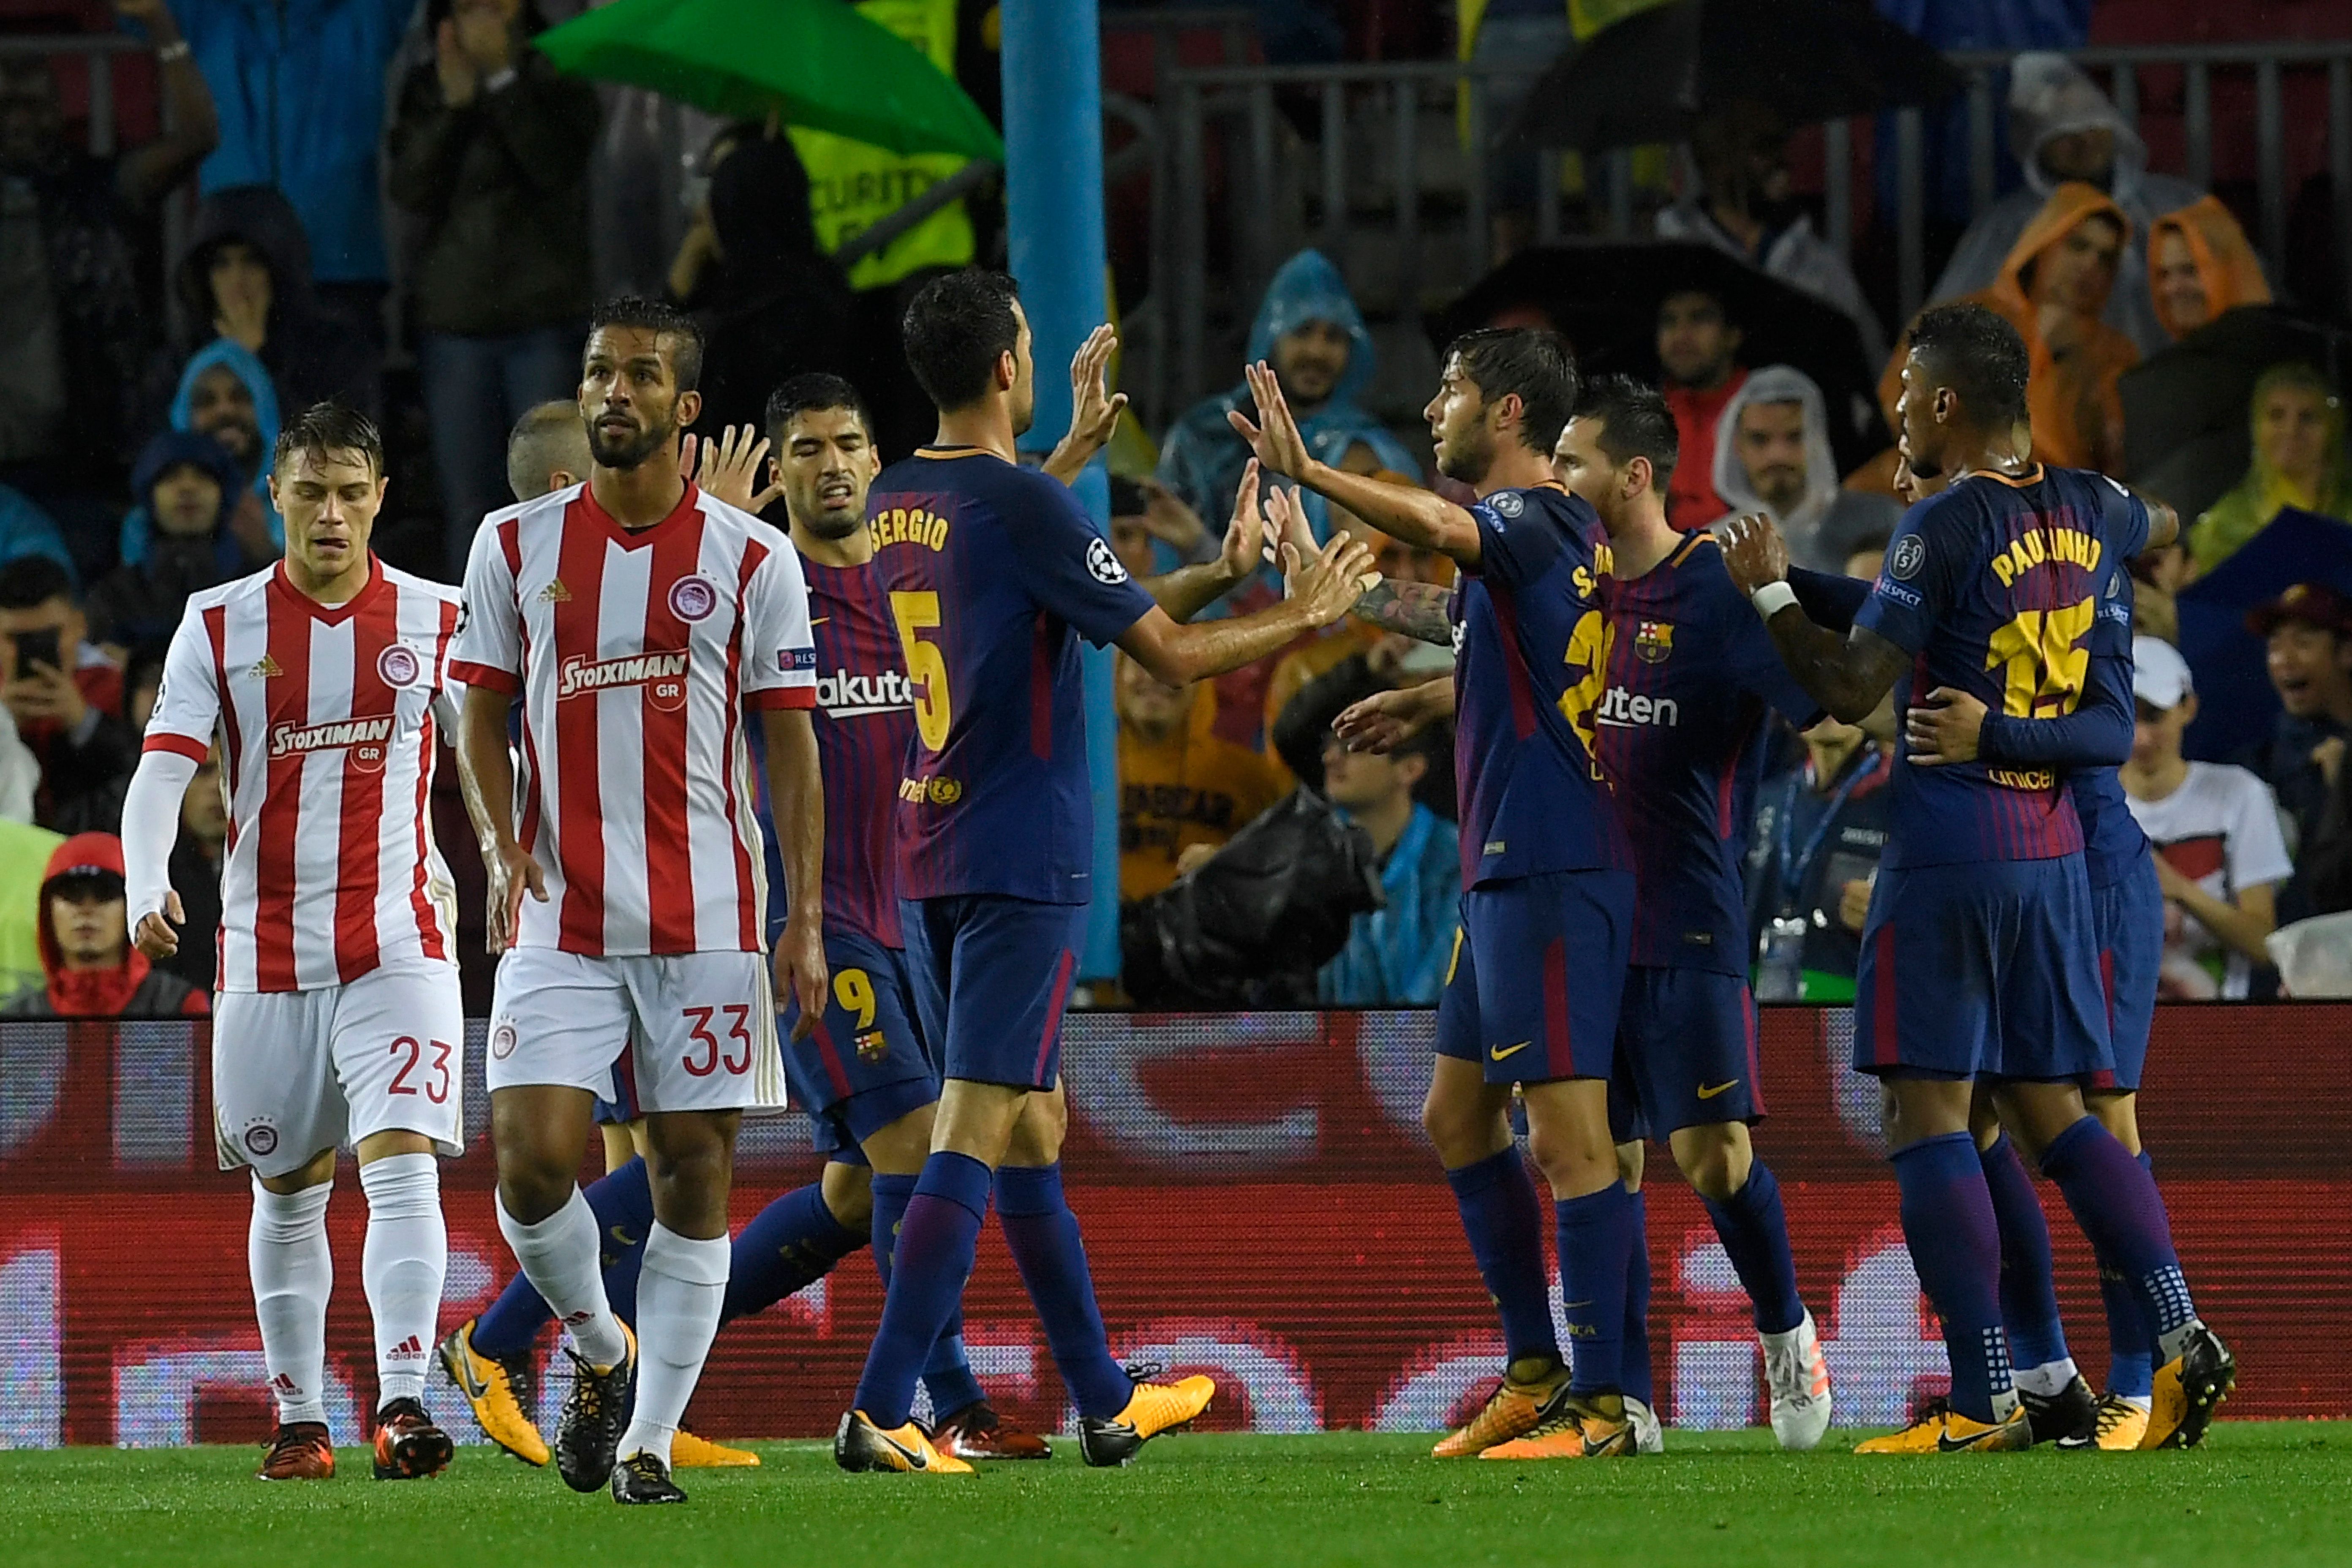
(1258, 1203)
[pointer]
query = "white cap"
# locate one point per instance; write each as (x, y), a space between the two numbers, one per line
(2159, 674)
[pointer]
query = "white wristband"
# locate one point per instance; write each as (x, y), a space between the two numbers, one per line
(1772, 598)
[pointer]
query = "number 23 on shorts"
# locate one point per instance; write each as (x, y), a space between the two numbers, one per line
(706, 1055)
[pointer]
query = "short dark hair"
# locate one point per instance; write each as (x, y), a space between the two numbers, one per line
(1535, 362)
(31, 580)
(1634, 423)
(1978, 354)
(954, 331)
(811, 391)
(675, 333)
(325, 428)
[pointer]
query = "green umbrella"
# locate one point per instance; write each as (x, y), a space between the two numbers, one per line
(817, 63)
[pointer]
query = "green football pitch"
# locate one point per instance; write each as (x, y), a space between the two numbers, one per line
(2269, 1494)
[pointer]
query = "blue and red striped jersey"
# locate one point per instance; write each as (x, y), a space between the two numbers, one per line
(1691, 672)
(992, 572)
(1528, 641)
(864, 722)
(1994, 587)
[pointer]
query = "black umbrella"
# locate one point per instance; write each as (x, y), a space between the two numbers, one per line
(1604, 300)
(2186, 437)
(1647, 78)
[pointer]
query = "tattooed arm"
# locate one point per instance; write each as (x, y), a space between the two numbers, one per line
(1416, 609)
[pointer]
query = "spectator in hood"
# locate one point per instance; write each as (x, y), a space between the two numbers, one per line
(490, 150)
(94, 971)
(246, 276)
(2054, 287)
(26, 530)
(78, 344)
(1309, 328)
(2065, 129)
(1744, 206)
(66, 697)
(189, 487)
(301, 86)
(1772, 456)
(225, 395)
(2298, 461)
(772, 304)
(2199, 266)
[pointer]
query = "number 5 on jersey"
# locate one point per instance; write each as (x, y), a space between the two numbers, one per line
(927, 666)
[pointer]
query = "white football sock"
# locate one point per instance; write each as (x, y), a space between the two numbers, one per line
(2047, 1380)
(678, 1297)
(406, 1254)
(293, 1274)
(566, 1265)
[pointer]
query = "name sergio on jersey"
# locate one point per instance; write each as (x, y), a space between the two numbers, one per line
(366, 739)
(665, 673)
(909, 525)
(843, 695)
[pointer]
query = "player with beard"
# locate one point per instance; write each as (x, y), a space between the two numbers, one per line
(1990, 589)
(991, 573)
(636, 618)
(1539, 966)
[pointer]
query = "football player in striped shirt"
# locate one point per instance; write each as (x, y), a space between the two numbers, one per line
(337, 1016)
(636, 618)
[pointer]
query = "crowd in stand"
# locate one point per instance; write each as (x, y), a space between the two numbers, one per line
(146, 391)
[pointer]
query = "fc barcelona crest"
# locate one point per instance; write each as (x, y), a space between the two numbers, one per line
(1652, 641)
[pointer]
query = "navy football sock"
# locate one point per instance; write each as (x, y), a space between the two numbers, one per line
(2028, 1291)
(1636, 1356)
(789, 1245)
(948, 1371)
(623, 1202)
(1754, 1230)
(1596, 1238)
(2115, 1202)
(1955, 1244)
(932, 1259)
(2131, 1341)
(1503, 1217)
(1044, 1235)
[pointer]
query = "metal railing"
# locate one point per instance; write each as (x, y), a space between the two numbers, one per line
(1390, 185)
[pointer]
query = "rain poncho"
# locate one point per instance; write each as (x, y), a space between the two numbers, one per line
(2077, 412)
(1830, 523)
(220, 351)
(2226, 264)
(2264, 491)
(2048, 97)
(1203, 459)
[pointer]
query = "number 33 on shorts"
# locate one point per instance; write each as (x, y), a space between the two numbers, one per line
(706, 1054)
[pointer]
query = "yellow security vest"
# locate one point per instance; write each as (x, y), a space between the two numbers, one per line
(853, 184)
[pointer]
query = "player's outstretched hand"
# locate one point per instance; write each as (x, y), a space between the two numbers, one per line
(1289, 537)
(1246, 534)
(510, 873)
(1753, 551)
(1383, 722)
(155, 937)
(801, 972)
(1943, 727)
(1275, 438)
(1328, 586)
(1094, 407)
(731, 465)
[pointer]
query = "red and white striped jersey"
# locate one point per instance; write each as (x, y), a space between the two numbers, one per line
(326, 716)
(636, 655)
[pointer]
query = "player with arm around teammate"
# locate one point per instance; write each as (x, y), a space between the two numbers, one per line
(1990, 587)
(337, 1016)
